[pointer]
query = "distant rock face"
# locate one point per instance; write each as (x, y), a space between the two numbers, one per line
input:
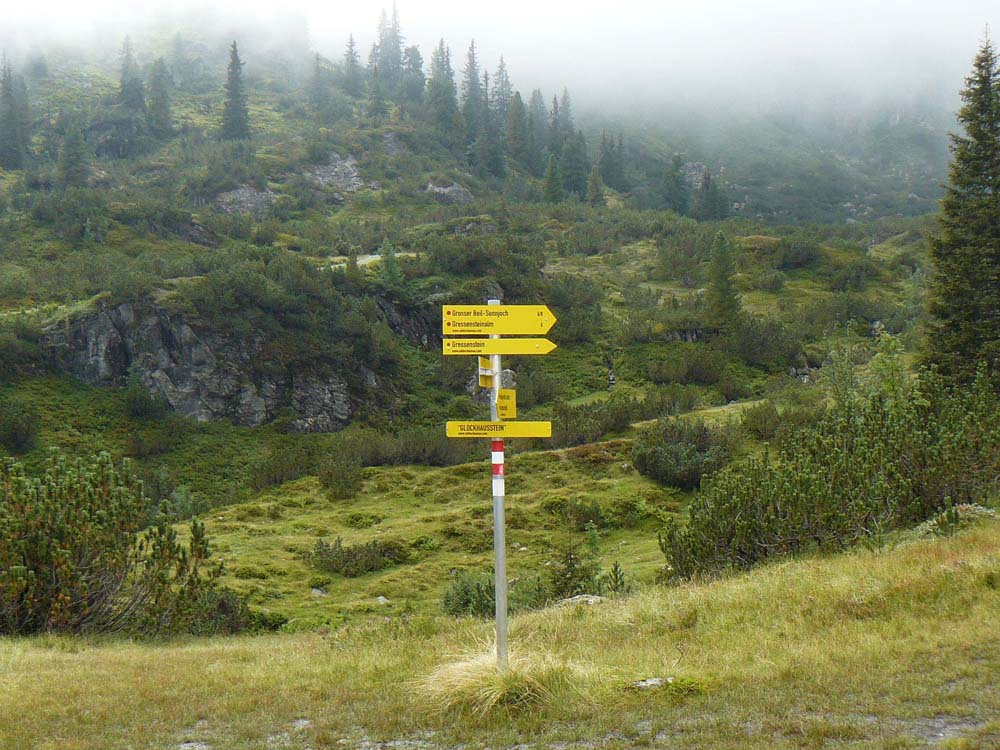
(245, 200)
(339, 174)
(200, 373)
(453, 194)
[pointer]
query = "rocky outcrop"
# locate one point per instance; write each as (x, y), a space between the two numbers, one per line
(453, 194)
(339, 174)
(245, 200)
(199, 372)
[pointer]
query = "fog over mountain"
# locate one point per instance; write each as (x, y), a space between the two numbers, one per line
(721, 53)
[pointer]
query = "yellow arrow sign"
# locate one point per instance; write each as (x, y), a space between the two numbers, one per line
(499, 429)
(507, 403)
(485, 373)
(497, 346)
(504, 320)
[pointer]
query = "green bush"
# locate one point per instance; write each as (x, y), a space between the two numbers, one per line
(359, 559)
(18, 425)
(282, 463)
(141, 404)
(762, 421)
(469, 593)
(679, 452)
(888, 459)
(74, 557)
(341, 476)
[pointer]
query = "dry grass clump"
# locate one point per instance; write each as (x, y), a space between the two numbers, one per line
(475, 685)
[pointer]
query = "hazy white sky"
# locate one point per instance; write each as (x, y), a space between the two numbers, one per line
(701, 49)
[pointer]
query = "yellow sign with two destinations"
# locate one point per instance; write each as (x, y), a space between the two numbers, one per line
(507, 403)
(501, 320)
(497, 346)
(499, 429)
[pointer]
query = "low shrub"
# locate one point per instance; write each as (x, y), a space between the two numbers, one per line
(679, 452)
(341, 476)
(762, 421)
(18, 425)
(358, 559)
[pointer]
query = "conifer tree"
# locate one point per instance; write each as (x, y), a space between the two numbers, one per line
(352, 69)
(595, 188)
(389, 51)
(11, 139)
(554, 135)
(412, 86)
(318, 89)
(441, 96)
(472, 96)
(235, 114)
(710, 203)
(675, 189)
(158, 116)
(131, 93)
(537, 120)
(723, 302)
(390, 273)
(604, 157)
(377, 105)
(518, 136)
(566, 124)
(552, 189)
(22, 106)
(488, 151)
(573, 165)
(503, 92)
(964, 303)
(74, 164)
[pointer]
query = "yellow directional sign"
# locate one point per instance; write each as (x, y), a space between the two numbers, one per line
(507, 403)
(499, 429)
(497, 346)
(504, 320)
(485, 373)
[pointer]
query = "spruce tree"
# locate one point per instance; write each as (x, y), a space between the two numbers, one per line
(503, 92)
(723, 301)
(352, 69)
(131, 93)
(566, 124)
(377, 105)
(595, 187)
(441, 96)
(536, 131)
(554, 135)
(235, 114)
(74, 163)
(389, 51)
(710, 202)
(488, 148)
(675, 189)
(11, 139)
(518, 136)
(574, 165)
(552, 189)
(319, 90)
(964, 302)
(158, 115)
(412, 85)
(472, 96)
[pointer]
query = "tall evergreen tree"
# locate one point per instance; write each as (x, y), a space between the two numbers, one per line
(488, 149)
(675, 188)
(441, 96)
(377, 105)
(235, 113)
(319, 85)
(518, 136)
(412, 86)
(554, 135)
(353, 77)
(574, 165)
(11, 139)
(964, 302)
(566, 124)
(537, 120)
(472, 96)
(22, 106)
(74, 161)
(131, 93)
(503, 92)
(389, 55)
(595, 187)
(552, 189)
(723, 302)
(158, 116)
(710, 201)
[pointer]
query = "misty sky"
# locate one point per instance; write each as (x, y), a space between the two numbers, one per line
(766, 51)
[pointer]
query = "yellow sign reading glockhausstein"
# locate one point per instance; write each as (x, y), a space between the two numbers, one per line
(499, 429)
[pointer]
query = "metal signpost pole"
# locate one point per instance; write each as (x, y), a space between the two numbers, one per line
(499, 536)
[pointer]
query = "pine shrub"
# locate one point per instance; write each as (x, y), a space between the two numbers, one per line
(679, 452)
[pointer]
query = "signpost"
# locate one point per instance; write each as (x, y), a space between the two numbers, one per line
(496, 320)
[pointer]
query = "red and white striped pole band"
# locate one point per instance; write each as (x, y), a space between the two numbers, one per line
(498, 482)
